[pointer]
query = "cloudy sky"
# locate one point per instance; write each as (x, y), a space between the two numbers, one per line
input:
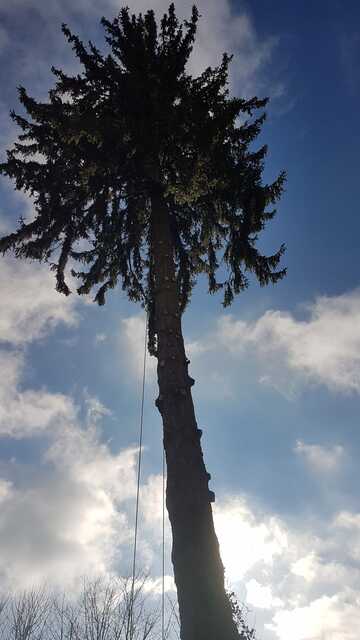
(278, 375)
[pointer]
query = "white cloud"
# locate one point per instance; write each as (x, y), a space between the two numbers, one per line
(306, 566)
(347, 524)
(94, 408)
(5, 489)
(323, 459)
(348, 520)
(325, 348)
(336, 618)
(155, 585)
(71, 513)
(66, 520)
(288, 353)
(30, 305)
(244, 541)
(24, 413)
(260, 596)
(152, 499)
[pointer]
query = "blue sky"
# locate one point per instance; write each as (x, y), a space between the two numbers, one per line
(277, 376)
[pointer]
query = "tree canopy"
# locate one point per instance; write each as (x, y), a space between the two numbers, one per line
(134, 122)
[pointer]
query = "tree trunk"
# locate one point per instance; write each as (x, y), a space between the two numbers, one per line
(205, 611)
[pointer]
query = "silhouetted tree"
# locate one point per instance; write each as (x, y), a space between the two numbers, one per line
(146, 176)
(100, 611)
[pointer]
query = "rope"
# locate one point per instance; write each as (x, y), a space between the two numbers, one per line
(136, 527)
(163, 551)
(130, 619)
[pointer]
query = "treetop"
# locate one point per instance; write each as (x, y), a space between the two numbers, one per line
(134, 123)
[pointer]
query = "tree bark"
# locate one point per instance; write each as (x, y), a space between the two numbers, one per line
(205, 611)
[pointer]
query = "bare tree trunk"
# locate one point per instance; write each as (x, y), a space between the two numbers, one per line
(205, 611)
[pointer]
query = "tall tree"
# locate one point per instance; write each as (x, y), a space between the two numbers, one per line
(146, 176)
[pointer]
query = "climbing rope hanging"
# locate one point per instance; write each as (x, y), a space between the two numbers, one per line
(141, 429)
(130, 629)
(163, 550)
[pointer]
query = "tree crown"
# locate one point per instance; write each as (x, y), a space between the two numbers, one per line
(133, 123)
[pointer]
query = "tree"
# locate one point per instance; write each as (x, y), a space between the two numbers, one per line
(146, 176)
(100, 611)
(25, 615)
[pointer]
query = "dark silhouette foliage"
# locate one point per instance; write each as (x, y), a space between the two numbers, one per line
(239, 613)
(132, 122)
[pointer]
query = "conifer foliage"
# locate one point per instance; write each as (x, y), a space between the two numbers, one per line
(132, 122)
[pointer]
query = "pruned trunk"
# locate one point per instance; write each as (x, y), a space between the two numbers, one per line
(205, 611)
